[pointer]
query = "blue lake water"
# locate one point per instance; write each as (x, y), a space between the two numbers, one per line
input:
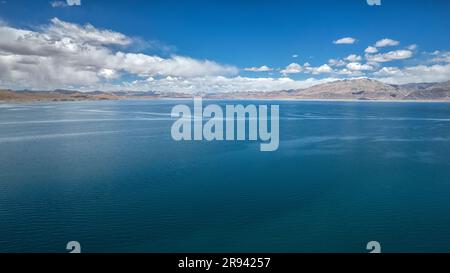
(109, 175)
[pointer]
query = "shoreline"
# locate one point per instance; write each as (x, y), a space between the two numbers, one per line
(329, 100)
(18, 102)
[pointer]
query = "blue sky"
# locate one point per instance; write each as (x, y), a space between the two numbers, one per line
(237, 36)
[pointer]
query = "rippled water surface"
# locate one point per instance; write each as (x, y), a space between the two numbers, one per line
(109, 175)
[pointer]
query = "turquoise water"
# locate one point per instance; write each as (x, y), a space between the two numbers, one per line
(109, 175)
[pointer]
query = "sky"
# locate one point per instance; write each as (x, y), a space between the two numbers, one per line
(220, 46)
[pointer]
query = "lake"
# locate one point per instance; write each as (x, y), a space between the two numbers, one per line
(110, 176)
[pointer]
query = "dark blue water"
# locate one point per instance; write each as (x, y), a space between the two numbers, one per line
(109, 175)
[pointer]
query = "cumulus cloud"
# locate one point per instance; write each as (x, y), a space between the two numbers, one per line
(63, 53)
(358, 67)
(336, 62)
(350, 73)
(441, 56)
(388, 72)
(346, 40)
(414, 74)
(353, 58)
(325, 68)
(263, 68)
(389, 56)
(412, 47)
(85, 34)
(386, 42)
(108, 73)
(371, 50)
(293, 68)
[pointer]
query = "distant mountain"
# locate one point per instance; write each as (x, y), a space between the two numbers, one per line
(135, 93)
(73, 95)
(355, 89)
(358, 89)
(416, 86)
(435, 91)
(66, 92)
(57, 95)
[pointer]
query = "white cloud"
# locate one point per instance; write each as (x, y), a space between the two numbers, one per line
(414, 74)
(336, 62)
(85, 34)
(358, 67)
(386, 42)
(346, 40)
(295, 56)
(353, 58)
(350, 73)
(62, 54)
(263, 68)
(388, 71)
(322, 69)
(292, 69)
(67, 3)
(108, 73)
(412, 47)
(217, 84)
(389, 56)
(307, 68)
(371, 50)
(441, 57)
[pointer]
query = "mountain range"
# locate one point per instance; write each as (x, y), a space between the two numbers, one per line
(355, 89)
